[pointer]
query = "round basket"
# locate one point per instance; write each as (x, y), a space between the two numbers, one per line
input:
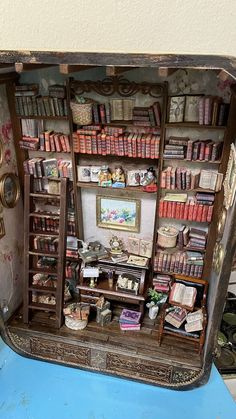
(82, 113)
(75, 324)
(167, 236)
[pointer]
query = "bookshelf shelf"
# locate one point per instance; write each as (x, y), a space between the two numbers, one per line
(183, 220)
(49, 290)
(43, 307)
(44, 215)
(44, 233)
(194, 161)
(93, 185)
(46, 254)
(193, 125)
(114, 156)
(188, 190)
(43, 270)
(65, 118)
(180, 276)
(182, 249)
(44, 195)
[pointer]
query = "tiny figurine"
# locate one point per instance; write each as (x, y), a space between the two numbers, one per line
(116, 245)
(118, 178)
(104, 177)
(133, 178)
(149, 181)
(103, 311)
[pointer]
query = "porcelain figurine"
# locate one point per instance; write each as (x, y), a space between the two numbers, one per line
(118, 178)
(104, 177)
(149, 181)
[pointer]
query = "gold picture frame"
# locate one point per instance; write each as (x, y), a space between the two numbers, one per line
(230, 179)
(2, 228)
(118, 213)
(9, 190)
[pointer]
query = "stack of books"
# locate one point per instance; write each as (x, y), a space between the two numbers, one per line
(161, 283)
(147, 116)
(130, 320)
(193, 150)
(182, 178)
(192, 237)
(176, 317)
(40, 167)
(194, 321)
(72, 247)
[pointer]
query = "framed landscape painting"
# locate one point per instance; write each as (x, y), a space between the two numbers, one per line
(118, 213)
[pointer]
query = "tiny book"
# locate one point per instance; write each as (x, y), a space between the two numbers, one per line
(130, 316)
(183, 295)
(138, 260)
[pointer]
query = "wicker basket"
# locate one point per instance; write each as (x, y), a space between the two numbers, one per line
(75, 324)
(167, 236)
(82, 112)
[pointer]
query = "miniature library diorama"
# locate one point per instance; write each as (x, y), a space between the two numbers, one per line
(128, 184)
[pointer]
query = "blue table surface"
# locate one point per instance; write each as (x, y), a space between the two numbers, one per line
(32, 389)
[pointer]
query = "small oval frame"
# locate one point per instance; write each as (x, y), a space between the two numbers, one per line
(4, 182)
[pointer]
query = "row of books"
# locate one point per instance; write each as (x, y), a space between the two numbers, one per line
(131, 144)
(51, 225)
(182, 178)
(184, 263)
(192, 237)
(39, 167)
(47, 141)
(124, 110)
(130, 320)
(212, 111)
(46, 244)
(40, 106)
(189, 210)
(193, 150)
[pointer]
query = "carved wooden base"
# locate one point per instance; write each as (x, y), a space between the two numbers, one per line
(100, 358)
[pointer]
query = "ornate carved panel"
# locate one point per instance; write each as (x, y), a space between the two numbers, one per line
(139, 368)
(60, 351)
(185, 376)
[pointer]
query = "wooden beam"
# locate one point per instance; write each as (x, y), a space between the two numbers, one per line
(166, 71)
(72, 68)
(112, 70)
(224, 75)
(21, 67)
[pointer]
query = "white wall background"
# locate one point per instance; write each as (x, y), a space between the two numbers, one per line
(153, 26)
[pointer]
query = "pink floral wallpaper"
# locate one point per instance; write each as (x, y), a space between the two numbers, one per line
(11, 245)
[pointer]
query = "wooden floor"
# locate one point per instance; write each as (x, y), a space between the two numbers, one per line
(142, 343)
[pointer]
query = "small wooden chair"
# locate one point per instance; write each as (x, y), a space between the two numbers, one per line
(200, 303)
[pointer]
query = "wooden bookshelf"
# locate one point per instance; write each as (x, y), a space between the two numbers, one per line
(193, 125)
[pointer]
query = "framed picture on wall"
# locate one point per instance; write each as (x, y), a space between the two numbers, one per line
(9, 190)
(191, 112)
(118, 213)
(176, 109)
(2, 228)
(230, 179)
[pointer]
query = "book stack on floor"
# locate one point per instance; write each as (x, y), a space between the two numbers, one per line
(130, 320)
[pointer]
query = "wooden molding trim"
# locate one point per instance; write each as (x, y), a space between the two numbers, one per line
(175, 61)
(21, 67)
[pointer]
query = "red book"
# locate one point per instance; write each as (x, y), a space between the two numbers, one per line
(103, 144)
(161, 208)
(148, 147)
(108, 145)
(143, 146)
(156, 144)
(116, 141)
(139, 146)
(121, 146)
(63, 143)
(130, 145)
(173, 209)
(67, 141)
(125, 140)
(202, 150)
(182, 208)
(204, 213)
(112, 142)
(58, 143)
(134, 146)
(177, 215)
(102, 113)
(209, 213)
(190, 211)
(199, 212)
(94, 144)
(88, 144)
(165, 209)
(99, 143)
(47, 140)
(169, 209)
(195, 211)
(52, 143)
(82, 148)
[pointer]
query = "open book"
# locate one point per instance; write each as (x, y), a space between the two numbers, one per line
(183, 295)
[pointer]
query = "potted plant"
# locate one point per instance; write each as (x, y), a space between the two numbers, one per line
(156, 298)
